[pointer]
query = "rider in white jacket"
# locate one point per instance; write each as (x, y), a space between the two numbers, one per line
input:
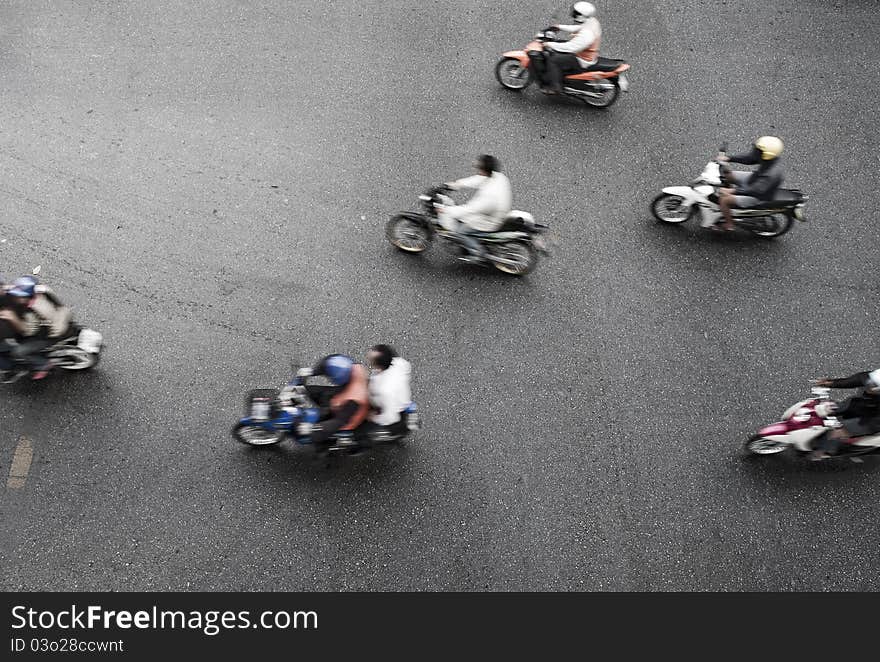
(487, 208)
(579, 52)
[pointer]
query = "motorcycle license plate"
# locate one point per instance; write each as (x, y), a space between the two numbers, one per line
(89, 341)
(624, 83)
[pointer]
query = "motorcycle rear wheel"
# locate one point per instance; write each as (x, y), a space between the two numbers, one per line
(407, 235)
(255, 435)
(778, 225)
(759, 445)
(607, 98)
(512, 75)
(74, 358)
(522, 255)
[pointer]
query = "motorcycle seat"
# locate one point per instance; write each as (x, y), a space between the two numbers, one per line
(605, 64)
(784, 197)
(515, 221)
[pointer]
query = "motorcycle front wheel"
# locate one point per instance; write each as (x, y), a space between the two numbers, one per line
(668, 208)
(519, 257)
(512, 75)
(407, 235)
(255, 435)
(759, 445)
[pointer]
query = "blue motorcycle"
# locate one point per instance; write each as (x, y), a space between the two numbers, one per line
(298, 408)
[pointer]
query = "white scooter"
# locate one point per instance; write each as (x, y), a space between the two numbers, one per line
(770, 219)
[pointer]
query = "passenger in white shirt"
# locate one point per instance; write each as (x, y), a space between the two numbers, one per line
(485, 211)
(389, 388)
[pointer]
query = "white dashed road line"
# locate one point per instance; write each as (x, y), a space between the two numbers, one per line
(21, 464)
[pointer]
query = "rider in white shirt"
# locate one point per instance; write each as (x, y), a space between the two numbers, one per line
(579, 52)
(485, 211)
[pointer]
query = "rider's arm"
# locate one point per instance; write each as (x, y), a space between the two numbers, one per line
(474, 181)
(582, 38)
(749, 158)
(853, 381)
(50, 295)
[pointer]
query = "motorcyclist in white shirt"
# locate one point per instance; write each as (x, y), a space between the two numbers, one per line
(576, 54)
(390, 395)
(485, 211)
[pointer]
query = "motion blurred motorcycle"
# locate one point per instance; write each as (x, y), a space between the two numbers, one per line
(770, 219)
(79, 350)
(296, 410)
(803, 423)
(512, 249)
(598, 85)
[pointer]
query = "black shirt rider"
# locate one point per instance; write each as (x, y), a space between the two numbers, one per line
(865, 407)
(761, 183)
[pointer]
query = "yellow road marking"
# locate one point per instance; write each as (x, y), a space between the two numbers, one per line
(21, 464)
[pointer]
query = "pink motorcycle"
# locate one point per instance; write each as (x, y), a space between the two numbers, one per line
(803, 423)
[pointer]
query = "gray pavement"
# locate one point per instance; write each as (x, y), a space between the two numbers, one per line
(207, 185)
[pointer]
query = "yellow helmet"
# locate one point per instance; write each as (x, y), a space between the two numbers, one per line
(769, 146)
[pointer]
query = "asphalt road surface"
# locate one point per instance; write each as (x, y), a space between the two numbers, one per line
(207, 185)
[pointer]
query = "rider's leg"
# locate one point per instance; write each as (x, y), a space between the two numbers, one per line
(331, 426)
(725, 204)
(728, 200)
(538, 64)
(474, 246)
(6, 362)
(558, 66)
(30, 353)
(448, 221)
(830, 442)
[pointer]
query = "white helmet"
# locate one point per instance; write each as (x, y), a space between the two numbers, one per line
(872, 386)
(581, 11)
(769, 146)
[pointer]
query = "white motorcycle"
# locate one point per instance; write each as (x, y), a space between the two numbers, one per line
(803, 423)
(770, 219)
(80, 349)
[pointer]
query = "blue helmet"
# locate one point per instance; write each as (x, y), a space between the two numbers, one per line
(24, 287)
(338, 367)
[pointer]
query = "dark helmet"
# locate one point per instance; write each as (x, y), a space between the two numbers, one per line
(24, 287)
(338, 368)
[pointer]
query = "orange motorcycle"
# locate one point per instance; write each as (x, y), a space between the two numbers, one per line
(598, 85)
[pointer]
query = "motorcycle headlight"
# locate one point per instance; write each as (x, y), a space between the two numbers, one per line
(802, 415)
